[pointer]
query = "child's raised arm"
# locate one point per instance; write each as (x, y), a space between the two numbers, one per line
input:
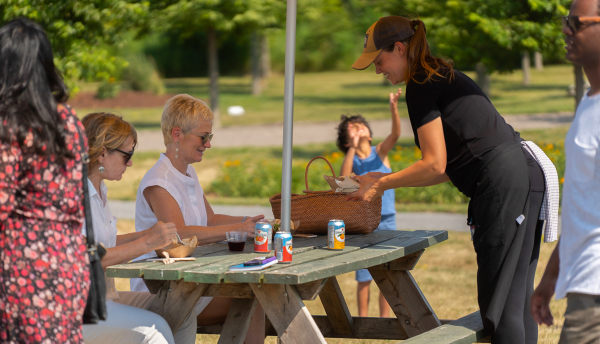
(388, 144)
(354, 134)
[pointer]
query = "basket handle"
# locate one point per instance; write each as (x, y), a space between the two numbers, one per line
(307, 166)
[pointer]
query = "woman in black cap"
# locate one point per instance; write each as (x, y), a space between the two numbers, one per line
(464, 139)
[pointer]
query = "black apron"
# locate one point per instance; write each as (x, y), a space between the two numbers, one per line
(500, 199)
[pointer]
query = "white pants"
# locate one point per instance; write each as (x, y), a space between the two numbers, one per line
(129, 321)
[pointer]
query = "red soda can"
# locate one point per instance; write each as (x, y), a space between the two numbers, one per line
(263, 232)
(283, 247)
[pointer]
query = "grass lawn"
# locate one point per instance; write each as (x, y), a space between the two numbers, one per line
(447, 276)
(324, 96)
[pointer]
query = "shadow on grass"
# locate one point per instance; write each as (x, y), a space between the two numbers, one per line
(344, 99)
(204, 89)
(145, 125)
(506, 86)
(379, 85)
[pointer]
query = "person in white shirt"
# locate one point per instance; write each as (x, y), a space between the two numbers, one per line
(574, 267)
(111, 143)
(170, 192)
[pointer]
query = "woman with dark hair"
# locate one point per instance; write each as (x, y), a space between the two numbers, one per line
(44, 276)
(463, 139)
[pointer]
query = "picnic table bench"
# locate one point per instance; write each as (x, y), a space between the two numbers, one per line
(281, 289)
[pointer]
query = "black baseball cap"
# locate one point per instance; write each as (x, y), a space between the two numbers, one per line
(384, 33)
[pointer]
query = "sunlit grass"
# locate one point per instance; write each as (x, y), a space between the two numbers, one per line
(325, 96)
(446, 275)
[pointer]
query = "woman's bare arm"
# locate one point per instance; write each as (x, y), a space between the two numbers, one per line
(159, 235)
(222, 219)
(166, 209)
(123, 239)
(435, 181)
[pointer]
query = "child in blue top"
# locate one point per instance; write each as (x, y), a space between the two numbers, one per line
(354, 139)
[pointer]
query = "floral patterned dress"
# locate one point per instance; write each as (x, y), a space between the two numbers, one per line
(44, 277)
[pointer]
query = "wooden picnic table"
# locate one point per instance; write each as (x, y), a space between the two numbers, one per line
(281, 289)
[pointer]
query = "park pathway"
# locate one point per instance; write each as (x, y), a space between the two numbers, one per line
(268, 135)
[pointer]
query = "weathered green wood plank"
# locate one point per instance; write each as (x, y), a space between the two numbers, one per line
(465, 330)
(352, 244)
(206, 255)
(136, 269)
(129, 270)
(215, 252)
(214, 273)
(175, 271)
(357, 259)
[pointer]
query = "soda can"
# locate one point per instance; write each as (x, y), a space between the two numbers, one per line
(263, 234)
(336, 235)
(283, 247)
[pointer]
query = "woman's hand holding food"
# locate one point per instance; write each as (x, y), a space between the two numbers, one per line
(368, 191)
(249, 223)
(160, 235)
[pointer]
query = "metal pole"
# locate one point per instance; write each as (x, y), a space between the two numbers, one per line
(288, 115)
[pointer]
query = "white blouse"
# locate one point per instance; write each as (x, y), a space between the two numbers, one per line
(104, 225)
(186, 190)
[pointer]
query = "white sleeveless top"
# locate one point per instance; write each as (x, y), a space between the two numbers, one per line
(186, 190)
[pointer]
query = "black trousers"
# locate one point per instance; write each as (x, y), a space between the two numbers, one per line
(507, 244)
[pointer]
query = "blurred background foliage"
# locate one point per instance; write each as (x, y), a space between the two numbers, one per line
(85, 35)
(88, 37)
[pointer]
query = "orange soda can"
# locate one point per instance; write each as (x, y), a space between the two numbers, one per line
(336, 235)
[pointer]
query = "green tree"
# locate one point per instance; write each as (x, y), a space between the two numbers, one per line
(494, 33)
(82, 33)
(214, 16)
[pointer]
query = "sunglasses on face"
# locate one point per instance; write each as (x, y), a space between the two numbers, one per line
(576, 23)
(205, 138)
(128, 155)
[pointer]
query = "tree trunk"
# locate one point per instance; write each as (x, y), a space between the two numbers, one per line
(261, 62)
(579, 85)
(483, 79)
(213, 72)
(539, 61)
(256, 65)
(265, 57)
(526, 67)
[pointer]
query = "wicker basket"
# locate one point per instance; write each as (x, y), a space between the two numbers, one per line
(314, 209)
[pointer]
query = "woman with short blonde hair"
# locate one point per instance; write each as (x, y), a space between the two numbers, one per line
(170, 192)
(111, 146)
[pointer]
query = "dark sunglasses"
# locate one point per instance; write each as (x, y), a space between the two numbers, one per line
(205, 138)
(575, 23)
(128, 155)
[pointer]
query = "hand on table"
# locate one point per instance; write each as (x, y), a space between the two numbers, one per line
(160, 235)
(540, 303)
(248, 225)
(368, 189)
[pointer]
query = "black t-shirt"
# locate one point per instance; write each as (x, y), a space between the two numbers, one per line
(472, 126)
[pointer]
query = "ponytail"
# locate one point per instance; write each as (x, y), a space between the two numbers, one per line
(420, 59)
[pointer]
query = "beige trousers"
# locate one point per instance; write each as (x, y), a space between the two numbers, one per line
(582, 320)
(130, 322)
